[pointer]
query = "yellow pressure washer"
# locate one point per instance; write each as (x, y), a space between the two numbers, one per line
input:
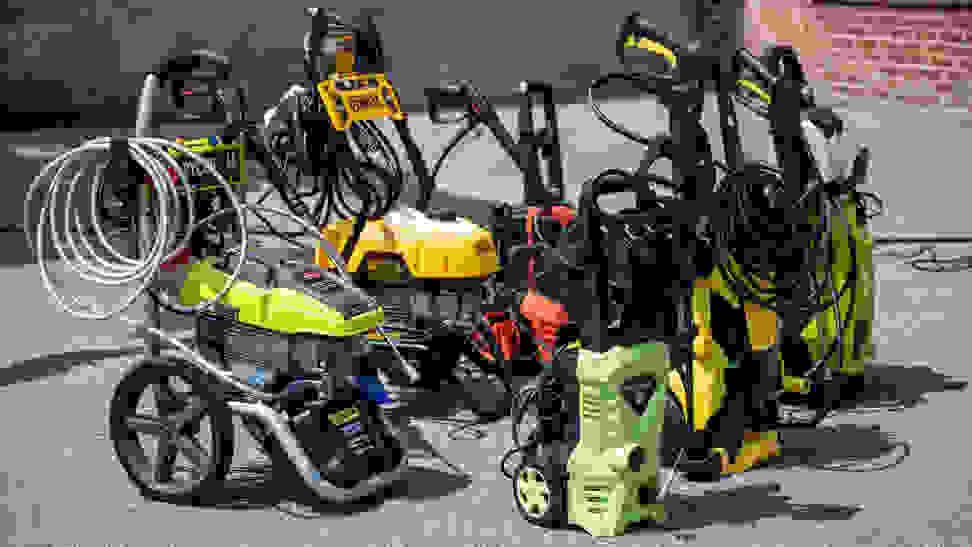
(728, 387)
(409, 258)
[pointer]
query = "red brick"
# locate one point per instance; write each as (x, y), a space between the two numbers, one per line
(860, 30)
(958, 25)
(902, 34)
(953, 75)
(920, 100)
(958, 51)
(929, 21)
(945, 89)
(877, 92)
(889, 19)
(891, 70)
(904, 46)
(951, 36)
(841, 43)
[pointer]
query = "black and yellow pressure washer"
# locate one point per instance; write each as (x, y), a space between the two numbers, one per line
(774, 282)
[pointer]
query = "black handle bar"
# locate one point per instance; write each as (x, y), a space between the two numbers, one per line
(198, 66)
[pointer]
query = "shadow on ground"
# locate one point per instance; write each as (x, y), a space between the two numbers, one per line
(743, 505)
(44, 366)
(257, 485)
(842, 447)
(891, 387)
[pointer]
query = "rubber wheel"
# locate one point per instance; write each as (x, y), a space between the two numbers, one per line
(487, 392)
(539, 501)
(176, 426)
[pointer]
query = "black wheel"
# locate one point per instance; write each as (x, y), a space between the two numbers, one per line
(486, 392)
(539, 500)
(185, 402)
(526, 415)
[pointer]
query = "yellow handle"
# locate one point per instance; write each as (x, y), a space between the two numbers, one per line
(396, 109)
(653, 47)
(341, 123)
(324, 88)
(755, 89)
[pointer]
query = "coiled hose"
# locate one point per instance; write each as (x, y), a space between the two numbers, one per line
(109, 266)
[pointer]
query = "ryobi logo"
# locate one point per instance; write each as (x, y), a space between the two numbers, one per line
(343, 416)
(194, 169)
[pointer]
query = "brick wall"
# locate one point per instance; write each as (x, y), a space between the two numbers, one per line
(912, 54)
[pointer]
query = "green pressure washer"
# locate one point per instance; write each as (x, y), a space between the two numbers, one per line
(593, 460)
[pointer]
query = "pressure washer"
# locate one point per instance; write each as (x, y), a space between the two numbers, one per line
(517, 327)
(284, 355)
(593, 459)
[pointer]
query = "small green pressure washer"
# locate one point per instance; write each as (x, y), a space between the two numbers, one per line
(593, 460)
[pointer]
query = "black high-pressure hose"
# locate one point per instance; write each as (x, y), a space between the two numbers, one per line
(456, 139)
(521, 401)
(453, 143)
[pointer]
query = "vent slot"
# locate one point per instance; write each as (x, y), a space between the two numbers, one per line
(326, 285)
(595, 496)
(590, 404)
(396, 312)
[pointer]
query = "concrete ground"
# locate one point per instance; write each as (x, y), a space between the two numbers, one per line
(893, 471)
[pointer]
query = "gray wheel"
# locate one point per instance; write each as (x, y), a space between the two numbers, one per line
(190, 431)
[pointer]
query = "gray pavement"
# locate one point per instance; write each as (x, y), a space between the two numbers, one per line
(892, 472)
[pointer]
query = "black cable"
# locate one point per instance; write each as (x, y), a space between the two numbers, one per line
(611, 124)
(453, 143)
